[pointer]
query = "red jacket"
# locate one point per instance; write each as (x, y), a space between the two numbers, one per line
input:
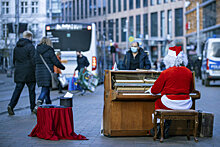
(174, 81)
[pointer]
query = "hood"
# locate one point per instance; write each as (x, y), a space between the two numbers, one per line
(42, 48)
(22, 42)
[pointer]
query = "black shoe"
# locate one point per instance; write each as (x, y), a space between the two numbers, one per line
(10, 111)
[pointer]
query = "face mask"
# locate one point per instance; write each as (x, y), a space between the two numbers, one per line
(134, 49)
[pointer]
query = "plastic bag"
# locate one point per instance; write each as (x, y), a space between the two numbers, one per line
(63, 80)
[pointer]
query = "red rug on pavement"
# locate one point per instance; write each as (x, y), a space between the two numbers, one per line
(55, 124)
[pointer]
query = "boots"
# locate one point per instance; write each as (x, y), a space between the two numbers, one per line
(166, 128)
(39, 102)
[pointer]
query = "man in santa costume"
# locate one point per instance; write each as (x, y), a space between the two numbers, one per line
(175, 83)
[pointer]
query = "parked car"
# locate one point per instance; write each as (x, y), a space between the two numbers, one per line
(211, 61)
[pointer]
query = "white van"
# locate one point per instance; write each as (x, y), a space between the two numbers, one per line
(211, 61)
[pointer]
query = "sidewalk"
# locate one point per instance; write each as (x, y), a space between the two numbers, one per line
(87, 111)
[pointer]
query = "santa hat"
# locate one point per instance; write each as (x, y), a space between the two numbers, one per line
(174, 51)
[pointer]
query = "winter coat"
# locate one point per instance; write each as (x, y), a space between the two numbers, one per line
(23, 60)
(82, 62)
(43, 75)
(143, 64)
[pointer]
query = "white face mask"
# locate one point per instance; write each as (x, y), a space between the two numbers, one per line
(134, 49)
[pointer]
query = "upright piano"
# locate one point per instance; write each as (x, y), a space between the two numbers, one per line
(128, 107)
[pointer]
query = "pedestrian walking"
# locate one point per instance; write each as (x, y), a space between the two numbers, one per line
(136, 58)
(43, 75)
(82, 62)
(175, 83)
(23, 60)
(58, 71)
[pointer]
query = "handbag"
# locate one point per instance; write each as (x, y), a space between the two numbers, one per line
(54, 78)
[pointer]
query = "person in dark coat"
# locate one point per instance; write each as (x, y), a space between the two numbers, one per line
(23, 60)
(82, 62)
(136, 58)
(43, 75)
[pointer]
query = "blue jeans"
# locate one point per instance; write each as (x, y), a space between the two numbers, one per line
(45, 95)
(17, 92)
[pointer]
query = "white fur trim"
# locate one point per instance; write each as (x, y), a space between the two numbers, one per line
(171, 53)
(176, 104)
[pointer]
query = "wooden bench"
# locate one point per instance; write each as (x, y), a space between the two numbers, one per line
(175, 115)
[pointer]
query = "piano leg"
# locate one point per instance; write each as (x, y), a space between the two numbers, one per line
(155, 127)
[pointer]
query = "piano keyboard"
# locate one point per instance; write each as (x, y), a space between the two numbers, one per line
(133, 84)
(191, 94)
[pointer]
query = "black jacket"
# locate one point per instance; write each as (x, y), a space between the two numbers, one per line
(82, 62)
(23, 59)
(143, 64)
(43, 76)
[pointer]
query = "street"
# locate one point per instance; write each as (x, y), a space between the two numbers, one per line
(87, 112)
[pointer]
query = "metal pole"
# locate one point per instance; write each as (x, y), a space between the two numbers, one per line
(197, 26)
(17, 20)
(126, 34)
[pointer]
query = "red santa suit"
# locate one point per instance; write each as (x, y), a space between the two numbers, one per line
(174, 84)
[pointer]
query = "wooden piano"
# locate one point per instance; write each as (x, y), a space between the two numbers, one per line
(128, 108)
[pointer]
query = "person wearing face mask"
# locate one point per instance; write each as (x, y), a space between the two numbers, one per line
(136, 58)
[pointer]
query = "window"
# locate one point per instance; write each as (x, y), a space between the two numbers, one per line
(179, 22)
(34, 5)
(145, 3)
(172, 0)
(77, 9)
(169, 22)
(34, 28)
(119, 5)
(90, 8)
(99, 30)
(104, 7)
(4, 30)
(152, 2)
(138, 26)
(81, 9)
(138, 4)
(117, 32)
(209, 15)
(104, 30)
(165, 1)
(145, 25)
(131, 4)
(154, 24)
(70, 10)
(94, 10)
(114, 6)
(109, 6)
(110, 29)
(125, 5)
(158, 2)
(5, 7)
(99, 8)
(123, 29)
(24, 7)
(162, 24)
(131, 26)
(62, 11)
(66, 10)
(74, 14)
(86, 8)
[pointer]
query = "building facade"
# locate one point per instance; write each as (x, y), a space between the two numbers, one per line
(34, 13)
(208, 21)
(154, 22)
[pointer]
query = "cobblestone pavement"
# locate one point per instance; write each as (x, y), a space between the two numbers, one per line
(87, 111)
